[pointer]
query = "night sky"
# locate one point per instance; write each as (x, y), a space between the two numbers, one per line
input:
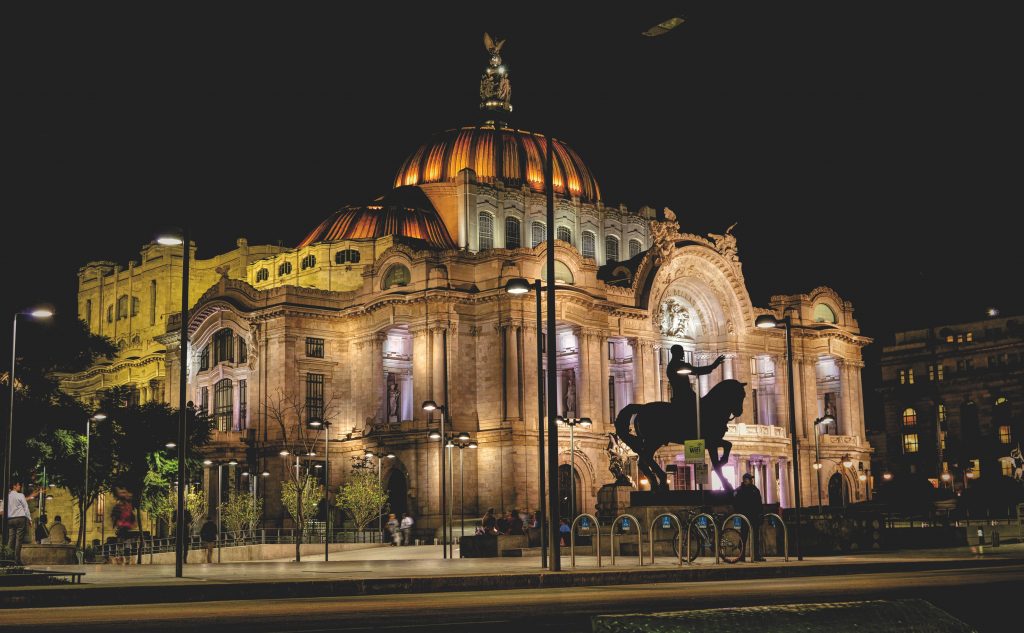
(868, 149)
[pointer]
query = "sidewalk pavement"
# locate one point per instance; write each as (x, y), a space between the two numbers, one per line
(421, 569)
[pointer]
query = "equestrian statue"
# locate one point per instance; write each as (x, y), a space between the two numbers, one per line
(656, 424)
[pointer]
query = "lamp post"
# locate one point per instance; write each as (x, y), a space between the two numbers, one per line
(370, 454)
(430, 405)
(519, 286)
(98, 417)
(687, 370)
(463, 442)
(846, 462)
(767, 321)
(37, 313)
(555, 561)
(817, 455)
(179, 536)
(317, 423)
(572, 423)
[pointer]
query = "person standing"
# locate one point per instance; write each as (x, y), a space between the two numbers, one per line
(393, 533)
(747, 501)
(208, 534)
(18, 518)
(406, 527)
(489, 522)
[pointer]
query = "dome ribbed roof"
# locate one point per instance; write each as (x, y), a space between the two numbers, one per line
(405, 212)
(516, 157)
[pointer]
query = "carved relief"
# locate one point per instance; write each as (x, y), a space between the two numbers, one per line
(672, 318)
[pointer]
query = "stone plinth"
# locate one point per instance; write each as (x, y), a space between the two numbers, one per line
(48, 554)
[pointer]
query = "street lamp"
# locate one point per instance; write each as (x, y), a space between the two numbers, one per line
(520, 286)
(86, 497)
(430, 405)
(174, 239)
(36, 313)
(380, 455)
(462, 443)
(572, 423)
(687, 370)
(767, 321)
(317, 423)
(827, 419)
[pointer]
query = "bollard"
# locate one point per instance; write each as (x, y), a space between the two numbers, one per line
(995, 538)
(417, 541)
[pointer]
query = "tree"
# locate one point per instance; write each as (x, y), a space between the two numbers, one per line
(241, 512)
(362, 496)
(301, 499)
(292, 416)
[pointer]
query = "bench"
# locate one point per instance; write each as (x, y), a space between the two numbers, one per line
(76, 576)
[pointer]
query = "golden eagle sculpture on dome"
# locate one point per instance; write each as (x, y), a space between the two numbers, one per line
(495, 85)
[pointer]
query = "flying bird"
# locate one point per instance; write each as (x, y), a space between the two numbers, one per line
(664, 27)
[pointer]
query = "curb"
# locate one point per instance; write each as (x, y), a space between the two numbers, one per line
(210, 591)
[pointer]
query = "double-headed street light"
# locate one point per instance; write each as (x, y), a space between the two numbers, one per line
(767, 321)
(572, 423)
(827, 419)
(318, 424)
(520, 286)
(428, 406)
(847, 463)
(86, 497)
(463, 441)
(381, 455)
(220, 480)
(37, 313)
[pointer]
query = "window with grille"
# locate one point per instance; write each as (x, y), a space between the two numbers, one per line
(397, 275)
(347, 256)
(513, 232)
(223, 401)
(611, 248)
(224, 346)
(907, 376)
(308, 261)
(243, 350)
(110, 314)
(243, 405)
(314, 397)
(589, 244)
(935, 373)
(135, 306)
(1004, 434)
(538, 233)
(940, 412)
(909, 417)
(486, 226)
(122, 307)
(634, 248)
(262, 275)
(204, 358)
(611, 397)
(152, 302)
(204, 399)
(314, 347)
(910, 443)
(564, 233)
(284, 269)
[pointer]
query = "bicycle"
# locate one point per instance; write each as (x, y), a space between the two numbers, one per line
(730, 539)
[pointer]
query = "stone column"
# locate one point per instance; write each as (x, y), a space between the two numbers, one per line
(420, 373)
(846, 397)
(772, 485)
(727, 367)
(437, 364)
(605, 412)
(584, 407)
(742, 466)
(638, 373)
(781, 393)
(512, 372)
(377, 402)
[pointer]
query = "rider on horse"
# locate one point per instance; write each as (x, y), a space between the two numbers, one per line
(682, 393)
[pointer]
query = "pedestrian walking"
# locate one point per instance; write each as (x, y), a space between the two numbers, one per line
(208, 534)
(406, 527)
(393, 533)
(18, 518)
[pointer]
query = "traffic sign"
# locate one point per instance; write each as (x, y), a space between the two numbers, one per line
(700, 474)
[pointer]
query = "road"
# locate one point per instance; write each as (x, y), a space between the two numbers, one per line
(987, 598)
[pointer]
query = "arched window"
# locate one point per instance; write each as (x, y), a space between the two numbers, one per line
(564, 233)
(486, 227)
(347, 256)
(308, 261)
(224, 346)
(513, 232)
(634, 248)
(824, 314)
(284, 269)
(562, 274)
(262, 275)
(223, 404)
(538, 233)
(397, 275)
(588, 244)
(611, 248)
(909, 417)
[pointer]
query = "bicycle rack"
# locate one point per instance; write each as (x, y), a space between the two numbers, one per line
(750, 532)
(572, 538)
(785, 533)
(650, 535)
(639, 538)
(714, 527)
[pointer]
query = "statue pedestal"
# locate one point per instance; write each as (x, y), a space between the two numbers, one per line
(612, 500)
(685, 498)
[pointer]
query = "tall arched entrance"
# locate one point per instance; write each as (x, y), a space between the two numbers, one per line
(836, 491)
(398, 492)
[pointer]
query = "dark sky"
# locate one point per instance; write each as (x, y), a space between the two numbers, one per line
(867, 148)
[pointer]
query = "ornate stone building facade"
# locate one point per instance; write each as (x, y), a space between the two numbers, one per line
(385, 305)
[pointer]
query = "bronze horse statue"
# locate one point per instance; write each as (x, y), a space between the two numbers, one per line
(660, 423)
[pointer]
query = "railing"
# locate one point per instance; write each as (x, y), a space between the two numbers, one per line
(572, 538)
(714, 541)
(785, 533)
(650, 535)
(639, 538)
(262, 536)
(750, 534)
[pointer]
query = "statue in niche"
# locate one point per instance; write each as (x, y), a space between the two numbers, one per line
(252, 346)
(672, 318)
(394, 398)
(570, 393)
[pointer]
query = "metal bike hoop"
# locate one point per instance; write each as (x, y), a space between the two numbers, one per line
(785, 533)
(750, 531)
(639, 538)
(572, 538)
(650, 535)
(714, 542)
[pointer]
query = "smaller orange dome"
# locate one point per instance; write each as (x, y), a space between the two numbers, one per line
(405, 212)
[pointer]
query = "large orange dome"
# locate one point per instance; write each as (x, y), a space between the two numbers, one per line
(516, 157)
(405, 212)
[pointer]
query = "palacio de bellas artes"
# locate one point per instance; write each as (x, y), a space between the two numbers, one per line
(402, 299)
